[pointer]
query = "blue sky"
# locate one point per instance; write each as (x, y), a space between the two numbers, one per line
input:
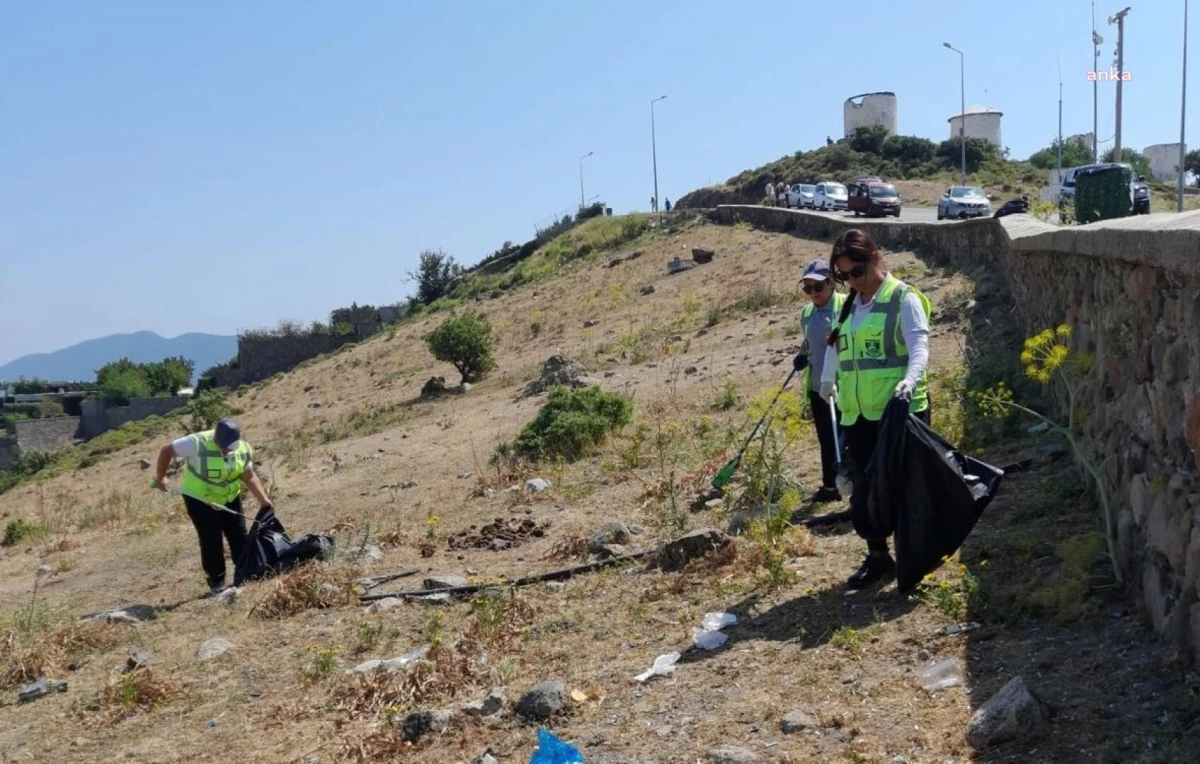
(222, 165)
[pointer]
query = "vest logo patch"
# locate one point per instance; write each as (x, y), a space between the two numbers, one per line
(873, 348)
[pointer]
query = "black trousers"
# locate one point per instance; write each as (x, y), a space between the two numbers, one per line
(861, 438)
(212, 529)
(823, 421)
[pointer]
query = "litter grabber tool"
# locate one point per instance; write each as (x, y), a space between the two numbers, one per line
(845, 486)
(725, 474)
(179, 492)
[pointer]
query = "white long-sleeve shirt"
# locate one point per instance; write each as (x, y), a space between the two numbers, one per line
(914, 327)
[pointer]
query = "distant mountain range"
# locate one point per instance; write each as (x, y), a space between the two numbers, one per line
(78, 363)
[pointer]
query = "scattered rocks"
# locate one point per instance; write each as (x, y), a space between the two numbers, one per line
(678, 266)
(647, 290)
(448, 581)
(489, 706)
(731, 754)
(392, 665)
(39, 689)
(609, 535)
(797, 721)
(501, 533)
(144, 464)
(557, 370)
(543, 701)
(590, 324)
(418, 724)
(1013, 712)
(138, 658)
(537, 485)
(702, 256)
(678, 553)
(385, 605)
(615, 262)
(213, 648)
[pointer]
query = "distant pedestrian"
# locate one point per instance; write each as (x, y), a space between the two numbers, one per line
(667, 205)
(653, 204)
(770, 193)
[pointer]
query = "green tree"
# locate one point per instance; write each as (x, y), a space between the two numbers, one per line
(869, 139)
(116, 368)
(204, 409)
(979, 150)
(466, 342)
(168, 376)
(909, 150)
(123, 385)
(1191, 163)
(1075, 152)
(435, 272)
(1141, 165)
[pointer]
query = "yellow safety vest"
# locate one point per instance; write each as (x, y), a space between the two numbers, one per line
(213, 476)
(835, 304)
(872, 360)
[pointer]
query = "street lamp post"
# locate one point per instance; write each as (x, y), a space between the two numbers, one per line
(582, 204)
(962, 118)
(1183, 113)
(654, 149)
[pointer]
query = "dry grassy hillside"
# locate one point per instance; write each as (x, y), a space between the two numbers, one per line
(349, 448)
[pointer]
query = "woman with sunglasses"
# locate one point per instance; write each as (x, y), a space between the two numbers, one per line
(816, 320)
(878, 350)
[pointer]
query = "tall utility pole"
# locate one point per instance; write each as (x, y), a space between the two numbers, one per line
(962, 116)
(654, 151)
(1097, 41)
(1060, 146)
(1118, 18)
(582, 204)
(1183, 112)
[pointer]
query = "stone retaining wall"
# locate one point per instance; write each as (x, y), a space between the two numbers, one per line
(1131, 290)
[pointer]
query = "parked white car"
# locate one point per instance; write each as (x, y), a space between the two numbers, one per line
(830, 196)
(800, 195)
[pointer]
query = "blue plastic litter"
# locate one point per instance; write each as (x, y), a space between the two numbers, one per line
(551, 750)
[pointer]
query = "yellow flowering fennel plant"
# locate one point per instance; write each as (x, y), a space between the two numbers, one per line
(1047, 358)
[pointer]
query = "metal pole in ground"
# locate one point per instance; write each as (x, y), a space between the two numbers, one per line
(654, 152)
(962, 114)
(1183, 113)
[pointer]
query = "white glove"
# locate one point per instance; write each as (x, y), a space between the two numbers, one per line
(905, 389)
(828, 392)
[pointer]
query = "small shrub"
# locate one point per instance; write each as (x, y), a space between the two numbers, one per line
(955, 594)
(847, 638)
(728, 397)
(466, 342)
(131, 693)
(572, 423)
(19, 530)
(204, 410)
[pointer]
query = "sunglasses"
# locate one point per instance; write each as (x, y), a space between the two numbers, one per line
(810, 289)
(854, 273)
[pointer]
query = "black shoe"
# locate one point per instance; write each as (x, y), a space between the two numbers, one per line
(875, 568)
(825, 494)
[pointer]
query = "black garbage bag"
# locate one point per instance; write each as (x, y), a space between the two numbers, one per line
(269, 550)
(925, 492)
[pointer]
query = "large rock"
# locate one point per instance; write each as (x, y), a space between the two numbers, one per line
(543, 701)
(1013, 712)
(678, 553)
(418, 724)
(213, 648)
(609, 534)
(557, 370)
(797, 721)
(489, 706)
(732, 754)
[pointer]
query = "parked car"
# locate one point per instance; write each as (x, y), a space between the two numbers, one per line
(962, 202)
(830, 196)
(1066, 194)
(800, 195)
(874, 198)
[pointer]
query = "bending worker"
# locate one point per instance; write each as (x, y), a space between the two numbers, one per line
(218, 463)
(878, 350)
(816, 321)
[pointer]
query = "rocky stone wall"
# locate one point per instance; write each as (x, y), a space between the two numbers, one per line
(1130, 289)
(9, 453)
(259, 358)
(99, 418)
(46, 434)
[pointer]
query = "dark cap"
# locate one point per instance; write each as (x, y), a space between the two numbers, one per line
(818, 270)
(227, 433)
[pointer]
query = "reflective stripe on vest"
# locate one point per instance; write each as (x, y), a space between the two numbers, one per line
(868, 373)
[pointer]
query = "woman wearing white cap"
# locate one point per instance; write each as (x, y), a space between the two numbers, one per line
(816, 321)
